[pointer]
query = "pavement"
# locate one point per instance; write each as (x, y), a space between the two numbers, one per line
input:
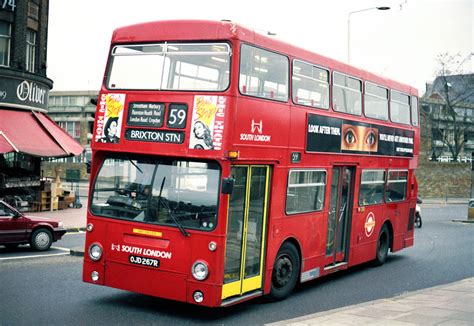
(449, 304)
(74, 219)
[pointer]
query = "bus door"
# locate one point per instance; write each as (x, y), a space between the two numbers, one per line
(246, 225)
(340, 215)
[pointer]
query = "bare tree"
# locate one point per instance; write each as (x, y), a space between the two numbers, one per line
(452, 94)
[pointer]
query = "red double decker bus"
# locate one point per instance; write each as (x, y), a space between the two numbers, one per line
(229, 165)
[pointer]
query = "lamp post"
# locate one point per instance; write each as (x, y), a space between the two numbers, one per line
(349, 27)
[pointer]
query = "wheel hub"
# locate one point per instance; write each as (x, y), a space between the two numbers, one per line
(284, 270)
(42, 240)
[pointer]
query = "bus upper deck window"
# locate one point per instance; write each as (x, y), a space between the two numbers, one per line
(347, 94)
(400, 108)
(170, 66)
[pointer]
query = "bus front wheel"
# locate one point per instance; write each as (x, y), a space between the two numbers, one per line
(285, 272)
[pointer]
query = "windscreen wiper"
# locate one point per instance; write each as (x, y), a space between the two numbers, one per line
(175, 219)
(167, 206)
(134, 164)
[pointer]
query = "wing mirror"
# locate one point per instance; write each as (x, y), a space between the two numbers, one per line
(227, 186)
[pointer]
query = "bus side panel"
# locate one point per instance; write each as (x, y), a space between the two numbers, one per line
(397, 213)
(367, 222)
(308, 231)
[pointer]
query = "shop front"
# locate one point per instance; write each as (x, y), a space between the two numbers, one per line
(27, 135)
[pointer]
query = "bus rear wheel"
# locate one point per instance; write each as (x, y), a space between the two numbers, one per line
(383, 244)
(418, 221)
(285, 272)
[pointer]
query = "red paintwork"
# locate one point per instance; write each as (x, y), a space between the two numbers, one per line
(286, 123)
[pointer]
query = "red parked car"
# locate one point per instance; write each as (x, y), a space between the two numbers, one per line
(17, 228)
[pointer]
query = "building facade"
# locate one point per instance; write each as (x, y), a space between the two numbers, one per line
(74, 113)
(27, 134)
(447, 139)
(448, 109)
(23, 53)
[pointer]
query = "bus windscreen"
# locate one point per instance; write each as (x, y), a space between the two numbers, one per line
(164, 192)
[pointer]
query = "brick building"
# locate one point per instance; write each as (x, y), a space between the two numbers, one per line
(27, 134)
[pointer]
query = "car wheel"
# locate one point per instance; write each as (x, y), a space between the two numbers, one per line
(41, 239)
(383, 244)
(11, 245)
(285, 272)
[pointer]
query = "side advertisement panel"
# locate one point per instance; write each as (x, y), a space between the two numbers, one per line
(334, 135)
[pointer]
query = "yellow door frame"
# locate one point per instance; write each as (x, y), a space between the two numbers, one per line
(244, 285)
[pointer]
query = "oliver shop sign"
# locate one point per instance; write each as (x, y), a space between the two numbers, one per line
(23, 93)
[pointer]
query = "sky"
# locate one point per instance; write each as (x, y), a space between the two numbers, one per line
(401, 43)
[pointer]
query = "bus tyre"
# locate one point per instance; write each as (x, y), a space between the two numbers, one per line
(383, 243)
(41, 239)
(418, 221)
(285, 272)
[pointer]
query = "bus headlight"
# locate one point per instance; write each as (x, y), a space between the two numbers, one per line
(95, 251)
(200, 270)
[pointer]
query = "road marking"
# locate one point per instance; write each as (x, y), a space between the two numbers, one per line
(61, 248)
(35, 256)
(74, 232)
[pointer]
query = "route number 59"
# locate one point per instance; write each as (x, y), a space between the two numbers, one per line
(177, 116)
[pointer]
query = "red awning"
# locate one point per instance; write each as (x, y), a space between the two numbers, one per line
(5, 144)
(36, 134)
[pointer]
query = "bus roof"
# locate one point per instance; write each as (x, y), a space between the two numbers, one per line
(203, 30)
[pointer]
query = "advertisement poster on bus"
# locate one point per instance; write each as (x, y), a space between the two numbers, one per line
(109, 118)
(327, 134)
(207, 127)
